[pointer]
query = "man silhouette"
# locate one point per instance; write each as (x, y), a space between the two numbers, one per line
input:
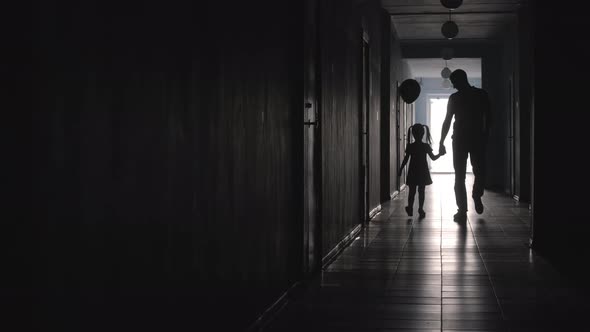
(471, 108)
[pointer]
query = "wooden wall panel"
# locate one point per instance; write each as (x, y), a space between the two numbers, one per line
(372, 14)
(560, 226)
(340, 52)
(495, 85)
(167, 161)
(525, 106)
(167, 167)
(386, 111)
(399, 72)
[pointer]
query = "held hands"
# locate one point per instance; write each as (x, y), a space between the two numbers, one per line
(442, 150)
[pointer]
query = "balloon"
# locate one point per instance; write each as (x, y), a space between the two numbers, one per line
(409, 90)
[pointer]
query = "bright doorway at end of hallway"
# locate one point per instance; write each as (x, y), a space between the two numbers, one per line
(437, 110)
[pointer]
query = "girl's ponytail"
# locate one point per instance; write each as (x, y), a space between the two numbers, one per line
(410, 134)
(428, 137)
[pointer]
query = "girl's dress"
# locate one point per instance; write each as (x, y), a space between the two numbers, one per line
(418, 173)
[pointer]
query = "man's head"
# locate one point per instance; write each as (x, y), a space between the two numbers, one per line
(459, 79)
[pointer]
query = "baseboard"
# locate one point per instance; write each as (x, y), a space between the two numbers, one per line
(373, 212)
(397, 192)
(271, 312)
(329, 258)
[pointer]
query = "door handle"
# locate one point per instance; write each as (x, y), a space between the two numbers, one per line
(311, 123)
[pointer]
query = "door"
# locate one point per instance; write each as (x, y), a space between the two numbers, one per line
(407, 124)
(311, 141)
(399, 134)
(364, 127)
(511, 141)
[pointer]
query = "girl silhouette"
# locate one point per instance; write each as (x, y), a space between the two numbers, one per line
(418, 173)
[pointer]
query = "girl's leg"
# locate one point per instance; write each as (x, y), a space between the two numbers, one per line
(411, 194)
(421, 197)
(421, 201)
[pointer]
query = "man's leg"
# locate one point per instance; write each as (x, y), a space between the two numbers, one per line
(478, 165)
(460, 165)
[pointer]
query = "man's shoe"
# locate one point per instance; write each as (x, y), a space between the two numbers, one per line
(478, 205)
(409, 211)
(460, 216)
(422, 213)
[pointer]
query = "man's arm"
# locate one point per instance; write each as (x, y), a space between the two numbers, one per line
(446, 124)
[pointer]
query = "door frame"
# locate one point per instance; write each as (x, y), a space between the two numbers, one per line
(428, 113)
(399, 134)
(511, 136)
(312, 162)
(364, 113)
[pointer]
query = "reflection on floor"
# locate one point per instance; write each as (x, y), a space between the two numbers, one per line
(434, 274)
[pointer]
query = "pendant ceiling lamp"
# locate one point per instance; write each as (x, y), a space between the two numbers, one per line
(451, 4)
(447, 53)
(450, 29)
(446, 72)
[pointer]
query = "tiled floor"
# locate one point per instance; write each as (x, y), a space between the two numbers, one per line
(434, 274)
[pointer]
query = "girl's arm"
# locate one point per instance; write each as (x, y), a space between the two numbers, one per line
(406, 157)
(434, 156)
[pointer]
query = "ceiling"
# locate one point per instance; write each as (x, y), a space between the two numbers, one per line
(431, 67)
(417, 20)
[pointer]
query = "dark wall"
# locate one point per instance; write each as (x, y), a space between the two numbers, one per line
(560, 181)
(516, 62)
(373, 16)
(166, 164)
(340, 40)
(393, 73)
(399, 136)
(510, 95)
(493, 82)
(524, 106)
(386, 107)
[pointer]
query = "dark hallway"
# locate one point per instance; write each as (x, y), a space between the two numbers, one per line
(233, 166)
